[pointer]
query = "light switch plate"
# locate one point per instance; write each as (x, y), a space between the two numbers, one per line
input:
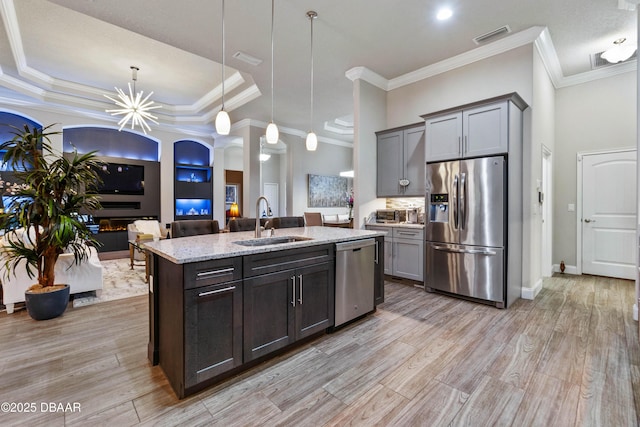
(571, 207)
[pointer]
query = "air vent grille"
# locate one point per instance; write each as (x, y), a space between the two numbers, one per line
(597, 61)
(492, 34)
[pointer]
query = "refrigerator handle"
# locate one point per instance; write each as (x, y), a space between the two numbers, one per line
(427, 208)
(463, 200)
(455, 202)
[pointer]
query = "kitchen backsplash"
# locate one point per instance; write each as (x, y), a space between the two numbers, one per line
(405, 203)
(402, 204)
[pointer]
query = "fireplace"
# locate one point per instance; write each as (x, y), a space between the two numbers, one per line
(112, 232)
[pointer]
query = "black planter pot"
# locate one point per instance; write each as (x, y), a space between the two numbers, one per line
(47, 305)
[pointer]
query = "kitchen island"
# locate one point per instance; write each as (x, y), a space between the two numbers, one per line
(221, 303)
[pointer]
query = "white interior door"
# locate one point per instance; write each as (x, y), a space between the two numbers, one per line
(271, 193)
(609, 214)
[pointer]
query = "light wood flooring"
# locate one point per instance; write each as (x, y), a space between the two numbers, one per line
(571, 357)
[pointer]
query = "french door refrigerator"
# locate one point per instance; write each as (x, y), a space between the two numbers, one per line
(466, 228)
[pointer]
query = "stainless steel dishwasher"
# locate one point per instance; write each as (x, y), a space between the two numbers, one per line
(354, 279)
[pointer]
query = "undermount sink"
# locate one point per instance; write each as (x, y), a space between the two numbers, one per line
(278, 240)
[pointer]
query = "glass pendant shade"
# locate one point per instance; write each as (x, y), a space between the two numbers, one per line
(223, 123)
(312, 141)
(272, 133)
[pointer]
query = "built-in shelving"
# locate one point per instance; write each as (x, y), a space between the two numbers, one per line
(193, 186)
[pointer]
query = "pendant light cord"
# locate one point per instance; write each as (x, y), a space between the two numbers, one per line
(272, 13)
(312, 16)
(223, 54)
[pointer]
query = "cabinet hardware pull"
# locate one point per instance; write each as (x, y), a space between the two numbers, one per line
(300, 299)
(377, 261)
(217, 291)
(212, 272)
(459, 146)
(404, 233)
(293, 290)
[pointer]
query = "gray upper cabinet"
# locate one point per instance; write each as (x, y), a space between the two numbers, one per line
(401, 162)
(471, 131)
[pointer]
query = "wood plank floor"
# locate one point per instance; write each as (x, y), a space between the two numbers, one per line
(571, 357)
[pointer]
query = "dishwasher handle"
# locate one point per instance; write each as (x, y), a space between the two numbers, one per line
(355, 245)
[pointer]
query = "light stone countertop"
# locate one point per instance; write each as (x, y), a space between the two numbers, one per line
(216, 246)
(395, 225)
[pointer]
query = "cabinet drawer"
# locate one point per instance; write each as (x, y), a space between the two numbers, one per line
(408, 233)
(270, 262)
(207, 273)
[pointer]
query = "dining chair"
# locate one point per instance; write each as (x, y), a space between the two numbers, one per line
(312, 218)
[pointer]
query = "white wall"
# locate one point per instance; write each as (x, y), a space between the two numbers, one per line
(370, 116)
(495, 76)
(597, 115)
(328, 159)
(540, 119)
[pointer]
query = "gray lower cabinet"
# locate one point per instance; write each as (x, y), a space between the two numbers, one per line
(408, 250)
(199, 320)
(287, 304)
(213, 331)
(378, 276)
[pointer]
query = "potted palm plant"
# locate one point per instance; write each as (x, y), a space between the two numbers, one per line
(41, 222)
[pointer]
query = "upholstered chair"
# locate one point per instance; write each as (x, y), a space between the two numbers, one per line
(288, 222)
(312, 218)
(194, 227)
(149, 228)
(248, 224)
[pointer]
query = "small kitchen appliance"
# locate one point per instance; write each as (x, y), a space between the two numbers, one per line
(387, 216)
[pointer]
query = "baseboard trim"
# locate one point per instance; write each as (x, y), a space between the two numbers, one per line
(530, 293)
(569, 269)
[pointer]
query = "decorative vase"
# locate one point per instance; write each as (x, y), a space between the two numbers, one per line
(47, 305)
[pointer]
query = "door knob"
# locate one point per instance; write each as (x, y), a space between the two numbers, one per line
(587, 220)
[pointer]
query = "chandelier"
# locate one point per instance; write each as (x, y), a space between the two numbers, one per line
(133, 106)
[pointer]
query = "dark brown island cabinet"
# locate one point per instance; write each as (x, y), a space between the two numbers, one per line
(212, 319)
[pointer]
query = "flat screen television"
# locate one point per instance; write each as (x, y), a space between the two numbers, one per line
(120, 178)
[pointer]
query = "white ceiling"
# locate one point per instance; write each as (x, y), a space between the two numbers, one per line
(70, 52)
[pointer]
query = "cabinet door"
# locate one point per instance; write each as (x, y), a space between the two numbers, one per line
(414, 162)
(390, 164)
(314, 299)
(407, 258)
(213, 331)
(268, 313)
(388, 255)
(486, 130)
(443, 139)
(378, 277)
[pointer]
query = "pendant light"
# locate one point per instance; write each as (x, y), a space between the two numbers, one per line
(312, 139)
(133, 106)
(272, 133)
(223, 122)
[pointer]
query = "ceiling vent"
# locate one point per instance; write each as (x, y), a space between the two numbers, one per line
(597, 61)
(247, 58)
(492, 34)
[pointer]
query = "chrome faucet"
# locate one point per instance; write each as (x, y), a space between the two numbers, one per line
(258, 229)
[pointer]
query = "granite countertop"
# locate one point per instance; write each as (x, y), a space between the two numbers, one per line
(395, 225)
(215, 246)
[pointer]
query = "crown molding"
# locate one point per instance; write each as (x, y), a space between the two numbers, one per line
(495, 48)
(537, 35)
(289, 131)
(363, 73)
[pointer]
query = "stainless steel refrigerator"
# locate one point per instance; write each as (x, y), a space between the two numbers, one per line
(466, 228)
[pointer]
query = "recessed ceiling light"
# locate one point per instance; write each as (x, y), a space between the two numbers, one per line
(444, 14)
